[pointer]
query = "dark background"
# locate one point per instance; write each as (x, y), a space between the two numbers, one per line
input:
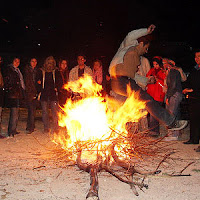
(96, 28)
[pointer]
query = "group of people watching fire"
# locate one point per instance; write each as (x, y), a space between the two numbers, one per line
(160, 86)
(44, 87)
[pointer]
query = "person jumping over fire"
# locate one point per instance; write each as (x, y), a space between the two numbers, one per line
(123, 68)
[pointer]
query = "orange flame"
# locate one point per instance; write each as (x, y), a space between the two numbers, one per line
(91, 120)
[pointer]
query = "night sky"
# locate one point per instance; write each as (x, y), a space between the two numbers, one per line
(96, 28)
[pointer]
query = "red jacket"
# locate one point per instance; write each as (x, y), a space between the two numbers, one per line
(156, 90)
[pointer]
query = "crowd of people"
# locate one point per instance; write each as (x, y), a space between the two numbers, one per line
(43, 87)
(159, 83)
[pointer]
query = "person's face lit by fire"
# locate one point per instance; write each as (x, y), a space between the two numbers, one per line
(81, 61)
(197, 58)
(96, 65)
(156, 65)
(33, 63)
(146, 48)
(63, 65)
(16, 62)
(143, 48)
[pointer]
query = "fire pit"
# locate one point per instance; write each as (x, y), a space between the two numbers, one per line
(101, 133)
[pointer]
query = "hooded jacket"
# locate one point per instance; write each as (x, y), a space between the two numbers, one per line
(48, 80)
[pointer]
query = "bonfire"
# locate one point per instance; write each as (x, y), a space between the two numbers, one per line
(101, 133)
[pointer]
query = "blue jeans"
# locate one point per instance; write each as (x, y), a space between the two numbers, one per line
(174, 103)
(54, 113)
(119, 86)
(13, 120)
(31, 106)
(173, 108)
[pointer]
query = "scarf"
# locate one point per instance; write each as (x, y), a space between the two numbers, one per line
(20, 77)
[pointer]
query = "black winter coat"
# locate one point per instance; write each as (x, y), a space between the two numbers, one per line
(12, 84)
(29, 76)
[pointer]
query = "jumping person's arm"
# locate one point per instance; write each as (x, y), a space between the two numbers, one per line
(131, 38)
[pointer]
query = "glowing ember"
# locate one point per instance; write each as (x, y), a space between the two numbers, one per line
(92, 122)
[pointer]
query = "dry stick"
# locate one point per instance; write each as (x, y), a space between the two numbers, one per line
(150, 143)
(120, 162)
(180, 173)
(186, 167)
(127, 166)
(123, 180)
(131, 169)
(39, 167)
(133, 188)
(59, 174)
(165, 157)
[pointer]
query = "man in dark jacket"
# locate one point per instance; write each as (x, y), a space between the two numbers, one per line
(14, 86)
(193, 90)
(174, 92)
(31, 93)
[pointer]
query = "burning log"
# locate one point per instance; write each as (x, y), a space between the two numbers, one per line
(92, 170)
(93, 192)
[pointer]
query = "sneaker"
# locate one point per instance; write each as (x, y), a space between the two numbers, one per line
(178, 125)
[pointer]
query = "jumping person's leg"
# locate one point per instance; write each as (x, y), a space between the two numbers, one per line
(119, 85)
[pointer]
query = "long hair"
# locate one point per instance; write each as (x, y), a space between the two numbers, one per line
(47, 67)
(158, 60)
